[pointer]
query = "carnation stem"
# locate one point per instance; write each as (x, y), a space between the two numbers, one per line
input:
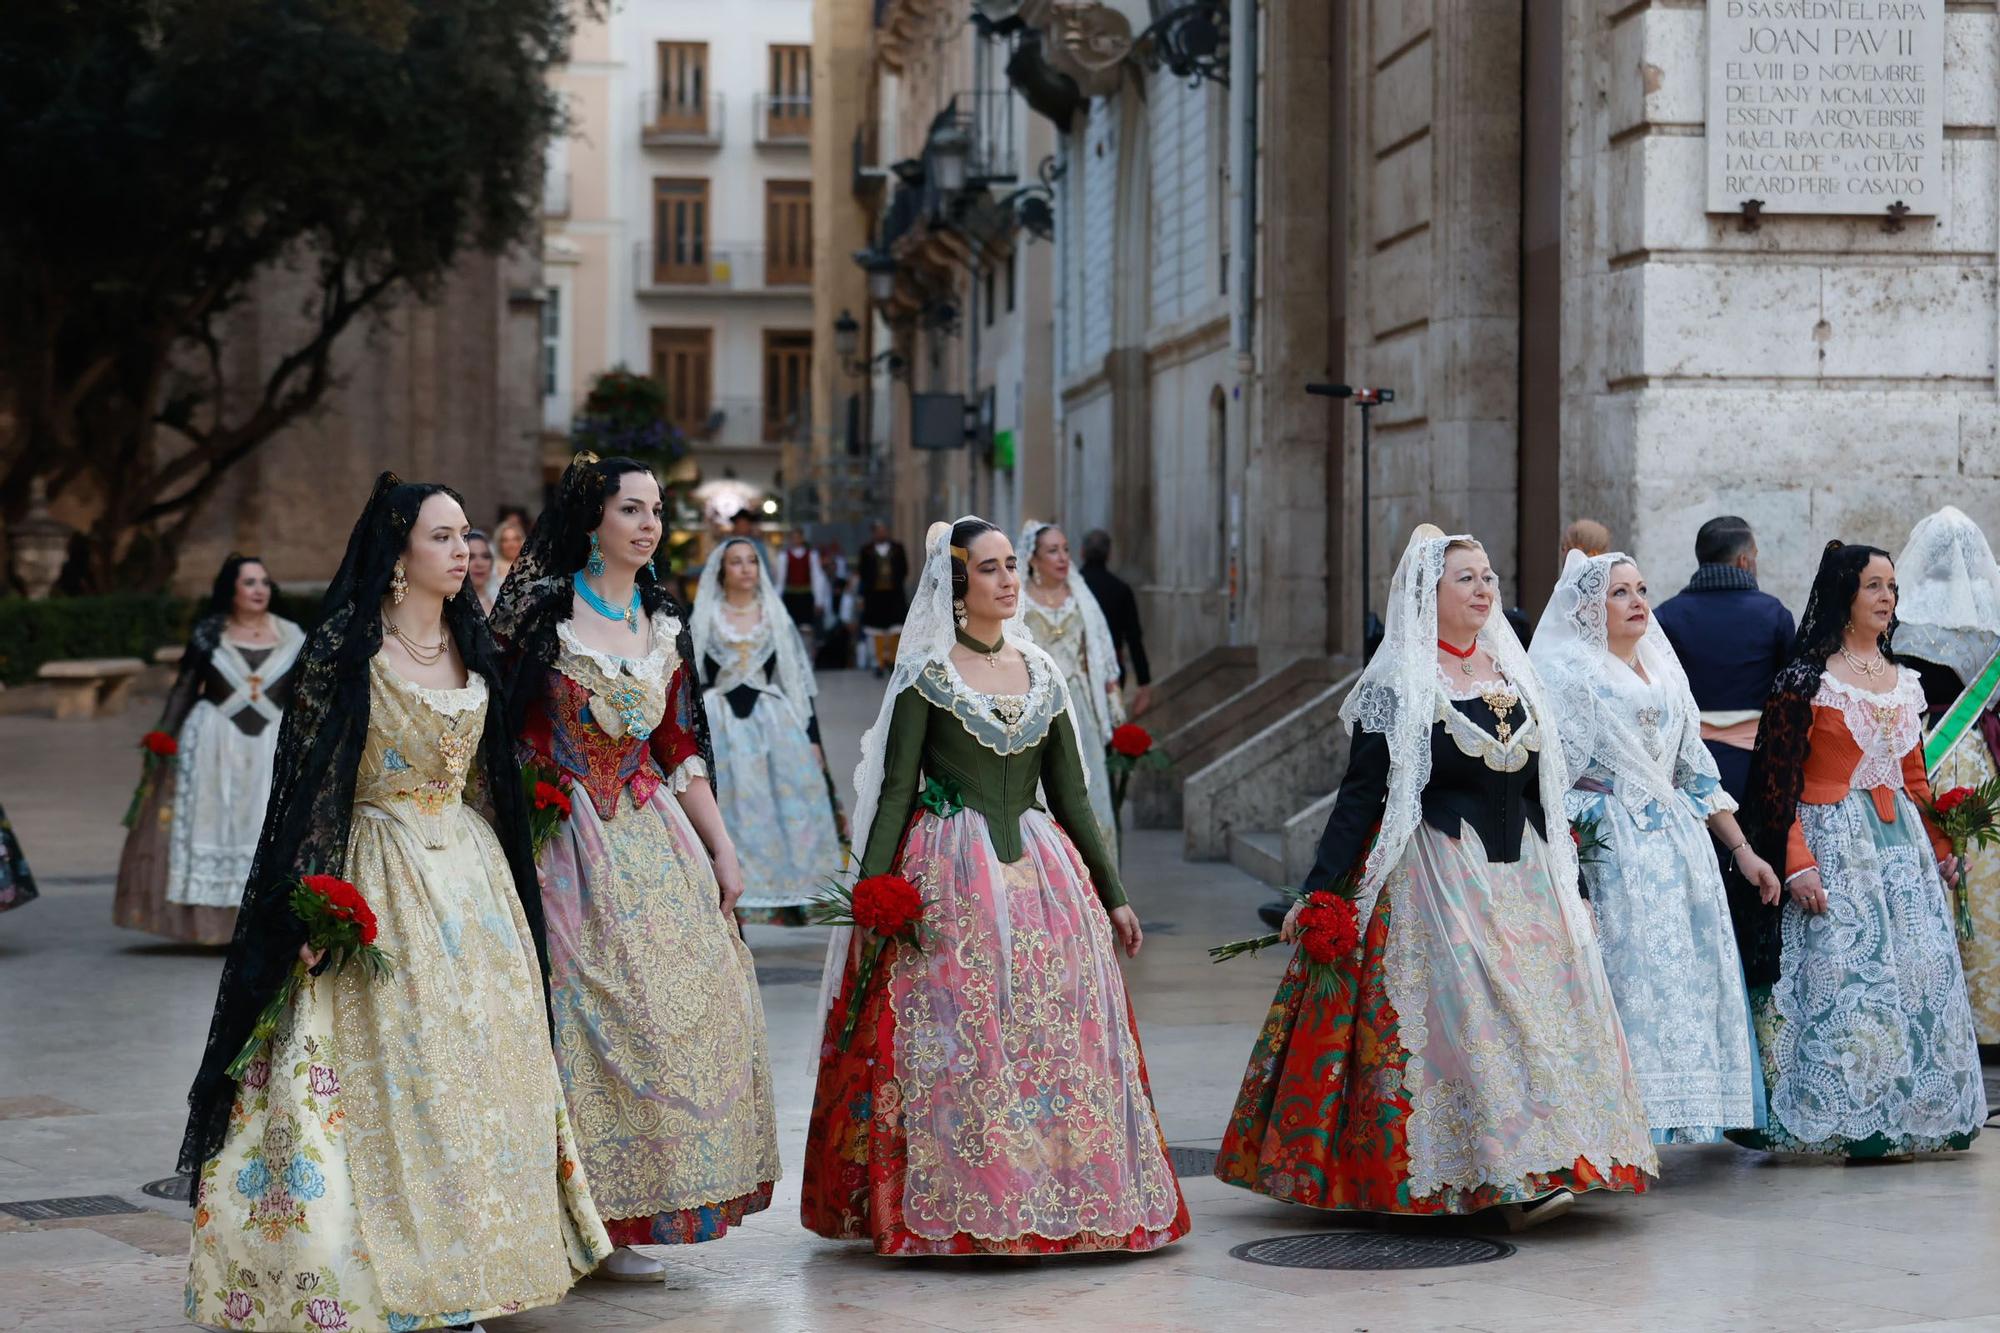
(267, 1024)
(864, 972)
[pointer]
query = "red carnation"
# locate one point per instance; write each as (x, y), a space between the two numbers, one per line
(1131, 740)
(548, 796)
(160, 743)
(887, 904)
(1322, 947)
(1951, 800)
(1576, 836)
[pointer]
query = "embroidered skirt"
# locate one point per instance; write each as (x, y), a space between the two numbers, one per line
(993, 1099)
(1867, 1039)
(659, 1028)
(775, 804)
(1474, 1057)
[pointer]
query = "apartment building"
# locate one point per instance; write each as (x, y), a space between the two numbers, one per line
(678, 237)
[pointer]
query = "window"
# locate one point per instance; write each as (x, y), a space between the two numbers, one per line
(1013, 275)
(551, 341)
(683, 364)
(790, 114)
(680, 230)
(787, 384)
(987, 294)
(788, 256)
(683, 97)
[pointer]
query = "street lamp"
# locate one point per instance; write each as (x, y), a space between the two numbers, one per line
(880, 266)
(847, 341)
(1367, 400)
(948, 150)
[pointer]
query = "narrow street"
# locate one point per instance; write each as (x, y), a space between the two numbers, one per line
(103, 1028)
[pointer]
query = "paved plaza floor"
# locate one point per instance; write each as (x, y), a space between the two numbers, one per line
(100, 1029)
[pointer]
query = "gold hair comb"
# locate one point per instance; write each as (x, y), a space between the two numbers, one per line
(960, 552)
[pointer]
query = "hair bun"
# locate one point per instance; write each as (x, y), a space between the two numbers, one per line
(936, 533)
(1427, 532)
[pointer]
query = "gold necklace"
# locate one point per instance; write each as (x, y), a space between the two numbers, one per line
(421, 654)
(1868, 670)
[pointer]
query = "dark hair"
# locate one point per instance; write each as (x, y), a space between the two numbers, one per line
(478, 535)
(967, 531)
(222, 597)
(1831, 601)
(1096, 546)
(1722, 539)
(515, 512)
(743, 514)
(579, 508)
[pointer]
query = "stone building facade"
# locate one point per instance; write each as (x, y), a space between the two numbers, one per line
(1498, 211)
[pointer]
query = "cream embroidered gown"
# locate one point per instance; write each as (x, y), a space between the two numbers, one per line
(1059, 631)
(403, 1159)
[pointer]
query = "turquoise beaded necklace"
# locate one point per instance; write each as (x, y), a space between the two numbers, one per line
(630, 615)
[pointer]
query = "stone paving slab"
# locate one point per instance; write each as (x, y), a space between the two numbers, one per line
(103, 1027)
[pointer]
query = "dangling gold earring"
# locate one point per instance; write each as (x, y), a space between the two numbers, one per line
(399, 584)
(958, 611)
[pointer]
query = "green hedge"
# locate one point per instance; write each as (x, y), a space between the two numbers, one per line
(126, 624)
(131, 624)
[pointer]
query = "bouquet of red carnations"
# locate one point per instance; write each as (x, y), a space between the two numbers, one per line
(548, 802)
(1588, 836)
(887, 905)
(1129, 748)
(159, 749)
(339, 923)
(1967, 817)
(1329, 932)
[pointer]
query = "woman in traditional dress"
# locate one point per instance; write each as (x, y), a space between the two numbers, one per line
(1061, 615)
(479, 568)
(659, 1029)
(771, 773)
(1471, 1055)
(399, 1156)
(1948, 629)
(1646, 786)
(992, 1098)
(510, 534)
(17, 885)
(1862, 1019)
(196, 817)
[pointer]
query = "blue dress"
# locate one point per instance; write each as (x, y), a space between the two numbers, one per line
(1663, 919)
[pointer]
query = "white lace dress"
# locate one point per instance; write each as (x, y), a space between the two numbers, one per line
(1663, 923)
(1867, 1037)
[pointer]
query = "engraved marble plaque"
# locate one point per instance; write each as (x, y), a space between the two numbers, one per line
(1826, 106)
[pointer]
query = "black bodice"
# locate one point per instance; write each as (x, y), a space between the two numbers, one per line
(1463, 790)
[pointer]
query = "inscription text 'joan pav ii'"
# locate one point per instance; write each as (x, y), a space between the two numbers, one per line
(1826, 106)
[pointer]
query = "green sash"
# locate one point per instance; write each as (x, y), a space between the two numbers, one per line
(1962, 715)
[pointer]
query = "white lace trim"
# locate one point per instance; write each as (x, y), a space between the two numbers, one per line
(652, 666)
(684, 776)
(1886, 726)
(443, 699)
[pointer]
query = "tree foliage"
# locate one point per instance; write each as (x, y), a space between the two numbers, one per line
(160, 155)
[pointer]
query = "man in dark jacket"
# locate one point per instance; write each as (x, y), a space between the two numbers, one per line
(1121, 610)
(885, 570)
(1732, 639)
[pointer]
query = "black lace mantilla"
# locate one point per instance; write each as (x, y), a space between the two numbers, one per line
(311, 805)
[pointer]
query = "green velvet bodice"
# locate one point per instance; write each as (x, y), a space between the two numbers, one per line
(992, 755)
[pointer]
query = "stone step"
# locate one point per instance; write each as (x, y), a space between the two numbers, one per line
(1258, 852)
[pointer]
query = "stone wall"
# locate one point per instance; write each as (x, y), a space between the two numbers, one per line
(444, 391)
(1821, 377)
(1433, 289)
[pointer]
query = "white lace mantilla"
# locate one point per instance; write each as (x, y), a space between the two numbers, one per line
(1886, 726)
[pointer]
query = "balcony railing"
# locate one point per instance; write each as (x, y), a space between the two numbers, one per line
(741, 423)
(676, 122)
(555, 194)
(689, 267)
(783, 121)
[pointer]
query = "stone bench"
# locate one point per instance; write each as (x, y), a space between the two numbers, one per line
(170, 655)
(91, 687)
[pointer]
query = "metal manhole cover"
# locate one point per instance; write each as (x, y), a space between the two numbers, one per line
(1192, 1161)
(788, 976)
(1368, 1251)
(83, 1205)
(178, 1188)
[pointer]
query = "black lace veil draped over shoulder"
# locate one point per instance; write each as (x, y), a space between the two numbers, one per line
(1778, 763)
(312, 788)
(537, 595)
